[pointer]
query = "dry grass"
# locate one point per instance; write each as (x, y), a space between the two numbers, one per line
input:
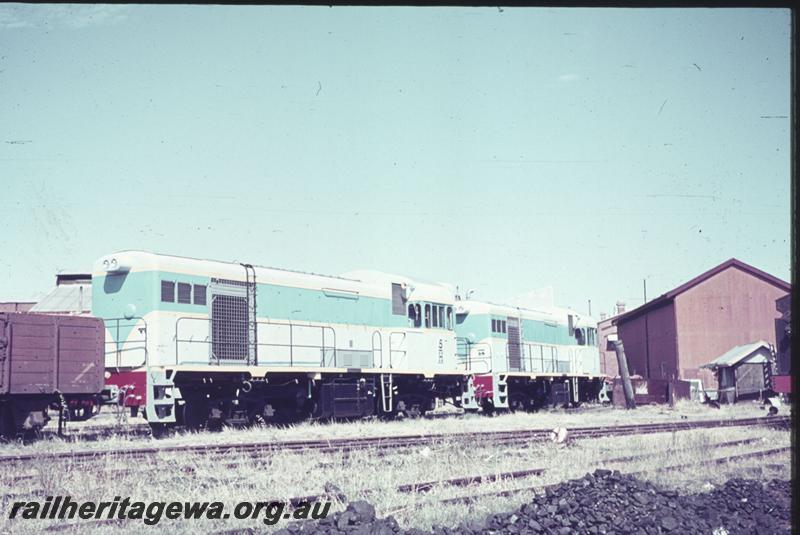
(366, 475)
(366, 428)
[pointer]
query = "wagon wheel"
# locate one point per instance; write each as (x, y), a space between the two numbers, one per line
(7, 427)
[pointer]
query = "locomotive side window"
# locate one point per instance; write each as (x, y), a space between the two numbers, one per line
(441, 316)
(199, 294)
(450, 318)
(168, 291)
(184, 293)
(427, 315)
(435, 315)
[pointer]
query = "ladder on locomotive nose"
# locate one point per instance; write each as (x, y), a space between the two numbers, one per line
(387, 392)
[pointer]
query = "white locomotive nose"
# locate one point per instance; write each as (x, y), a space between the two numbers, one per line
(112, 264)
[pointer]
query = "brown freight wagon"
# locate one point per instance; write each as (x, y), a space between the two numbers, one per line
(48, 359)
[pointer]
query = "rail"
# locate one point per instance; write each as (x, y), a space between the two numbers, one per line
(114, 325)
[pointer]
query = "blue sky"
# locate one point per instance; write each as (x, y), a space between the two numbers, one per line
(500, 150)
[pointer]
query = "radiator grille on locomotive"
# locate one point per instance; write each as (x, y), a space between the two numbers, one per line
(229, 327)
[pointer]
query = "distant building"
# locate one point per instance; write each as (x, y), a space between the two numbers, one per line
(672, 336)
(72, 295)
(16, 306)
(607, 333)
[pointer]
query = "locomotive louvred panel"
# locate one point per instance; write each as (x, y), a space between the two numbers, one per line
(514, 347)
(229, 327)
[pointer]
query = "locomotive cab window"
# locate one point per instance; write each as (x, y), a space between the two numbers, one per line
(580, 337)
(414, 316)
(427, 316)
(591, 337)
(398, 299)
(450, 318)
(499, 326)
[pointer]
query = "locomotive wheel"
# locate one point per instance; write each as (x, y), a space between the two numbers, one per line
(158, 429)
(195, 413)
(408, 409)
(519, 402)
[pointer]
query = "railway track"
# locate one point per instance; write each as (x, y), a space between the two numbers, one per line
(479, 480)
(388, 444)
(670, 468)
(468, 481)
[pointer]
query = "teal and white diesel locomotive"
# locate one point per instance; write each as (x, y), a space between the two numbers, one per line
(200, 343)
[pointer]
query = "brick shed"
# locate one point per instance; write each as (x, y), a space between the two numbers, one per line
(673, 335)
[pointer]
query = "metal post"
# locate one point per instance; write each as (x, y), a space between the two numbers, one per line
(627, 388)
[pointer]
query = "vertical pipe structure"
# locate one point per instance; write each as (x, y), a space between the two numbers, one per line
(627, 387)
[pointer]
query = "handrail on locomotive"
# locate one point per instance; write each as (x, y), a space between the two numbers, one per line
(113, 325)
(326, 334)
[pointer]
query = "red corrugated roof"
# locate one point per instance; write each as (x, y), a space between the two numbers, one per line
(669, 296)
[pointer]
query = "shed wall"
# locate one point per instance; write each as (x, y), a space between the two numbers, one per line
(650, 343)
(632, 334)
(608, 358)
(731, 308)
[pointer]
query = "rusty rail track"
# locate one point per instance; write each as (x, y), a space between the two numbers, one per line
(670, 468)
(386, 443)
(481, 479)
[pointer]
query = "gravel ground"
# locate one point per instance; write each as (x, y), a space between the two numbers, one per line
(604, 502)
